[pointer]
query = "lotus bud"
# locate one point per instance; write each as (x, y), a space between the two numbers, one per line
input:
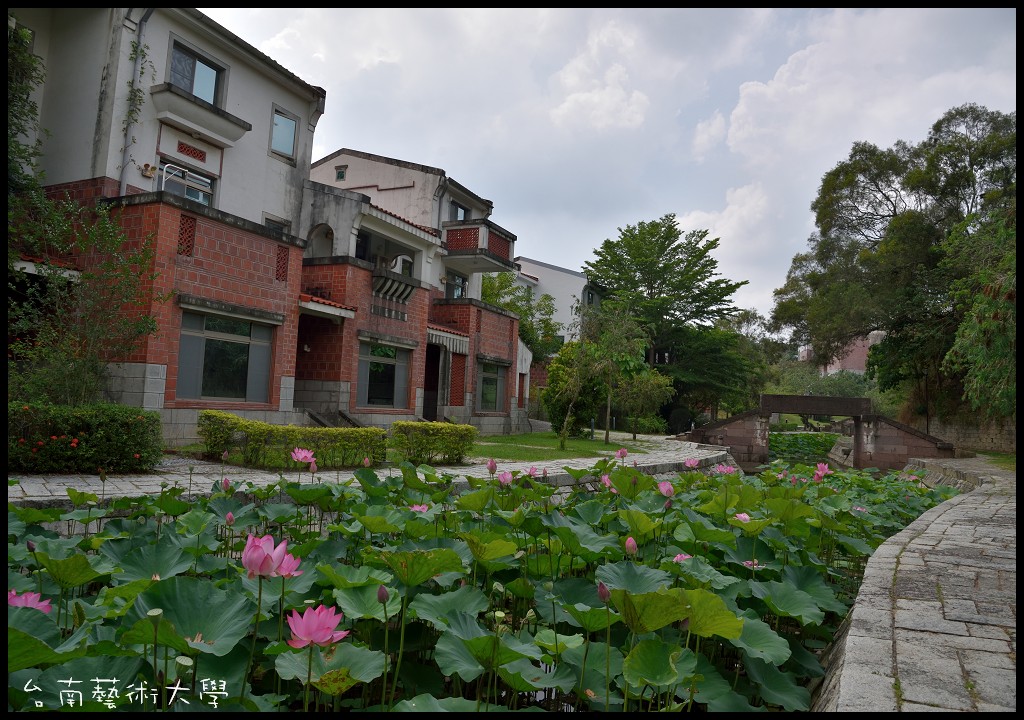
(603, 592)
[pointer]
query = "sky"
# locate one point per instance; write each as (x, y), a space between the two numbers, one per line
(576, 123)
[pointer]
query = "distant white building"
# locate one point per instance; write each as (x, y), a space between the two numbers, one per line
(568, 288)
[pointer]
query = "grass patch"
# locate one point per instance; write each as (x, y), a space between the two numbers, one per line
(1006, 461)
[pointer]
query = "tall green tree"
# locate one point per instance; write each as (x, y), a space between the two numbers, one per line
(74, 281)
(614, 343)
(882, 258)
(25, 73)
(537, 327)
(664, 277)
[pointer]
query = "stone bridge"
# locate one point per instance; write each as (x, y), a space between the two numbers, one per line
(877, 441)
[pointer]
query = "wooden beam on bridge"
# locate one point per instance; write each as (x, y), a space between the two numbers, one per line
(815, 405)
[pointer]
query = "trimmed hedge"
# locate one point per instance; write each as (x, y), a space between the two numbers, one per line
(427, 443)
(258, 441)
(93, 439)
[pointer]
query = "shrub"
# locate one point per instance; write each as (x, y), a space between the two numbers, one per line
(45, 438)
(429, 442)
(260, 442)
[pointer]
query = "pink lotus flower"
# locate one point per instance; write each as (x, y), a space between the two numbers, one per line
(302, 455)
(545, 473)
(366, 462)
(603, 592)
(631, 546)
(666, 489)
(382, 595)
(691, 463)
(505, 477)
(743, 517)
(606, 481)
(681, 557)
(315, 626)
(28, 599)
(723, 469)
(224, 456)
(821, 472)
(752, 564)
(261, 558)
(492, 467)
(225, 485)
(229, 519)
(312, 467)
(858, 508)
(532, 472)
(621, 453)
(419, 508)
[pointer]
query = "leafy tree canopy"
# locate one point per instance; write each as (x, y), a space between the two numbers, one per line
(664, 277)
(909, 240)
(537, 328)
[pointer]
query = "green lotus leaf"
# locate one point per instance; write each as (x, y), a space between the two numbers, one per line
(637, 579)
(556, 643)
(335, 669)
(164, 559)
(361, 602)
(759, 640)
(211, 620)
(72, 571)
(811, 582)
(703, 572)
(655, 662)
(647, 612)
(279, 513)
(592, 619)
(708, 613)
(166, 635)
(382, 520)
(370, 483)
(784, 599)
(777, 687)
(412, 567)
(435, 609)
(639, 523)
(492, 651)
(454, 658)
(706, 531)
(524, 676)
(483, 549)
(578, 537)
(476, 500)
(346, 576)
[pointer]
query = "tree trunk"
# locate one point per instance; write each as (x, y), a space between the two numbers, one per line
(608, 417)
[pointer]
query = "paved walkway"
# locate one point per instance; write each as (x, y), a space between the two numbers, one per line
(934, 625)
(659, 455)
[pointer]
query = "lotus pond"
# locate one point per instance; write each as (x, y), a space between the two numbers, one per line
(406, 591)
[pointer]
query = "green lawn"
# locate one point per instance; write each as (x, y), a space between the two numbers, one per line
(1006, 461)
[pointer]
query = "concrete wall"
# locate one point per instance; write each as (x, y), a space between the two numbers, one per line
(974, 434)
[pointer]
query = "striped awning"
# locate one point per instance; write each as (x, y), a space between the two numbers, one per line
(458, 344)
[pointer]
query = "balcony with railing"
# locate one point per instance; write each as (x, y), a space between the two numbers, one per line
(477, 246)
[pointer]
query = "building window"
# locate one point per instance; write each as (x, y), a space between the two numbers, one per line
(491, 388)
(282, 139)
(458, 212)
(187, 183)
(339, 173)
(195, 74)
(278, 226)
(224, 358)
(455, 285)
(383, 376)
